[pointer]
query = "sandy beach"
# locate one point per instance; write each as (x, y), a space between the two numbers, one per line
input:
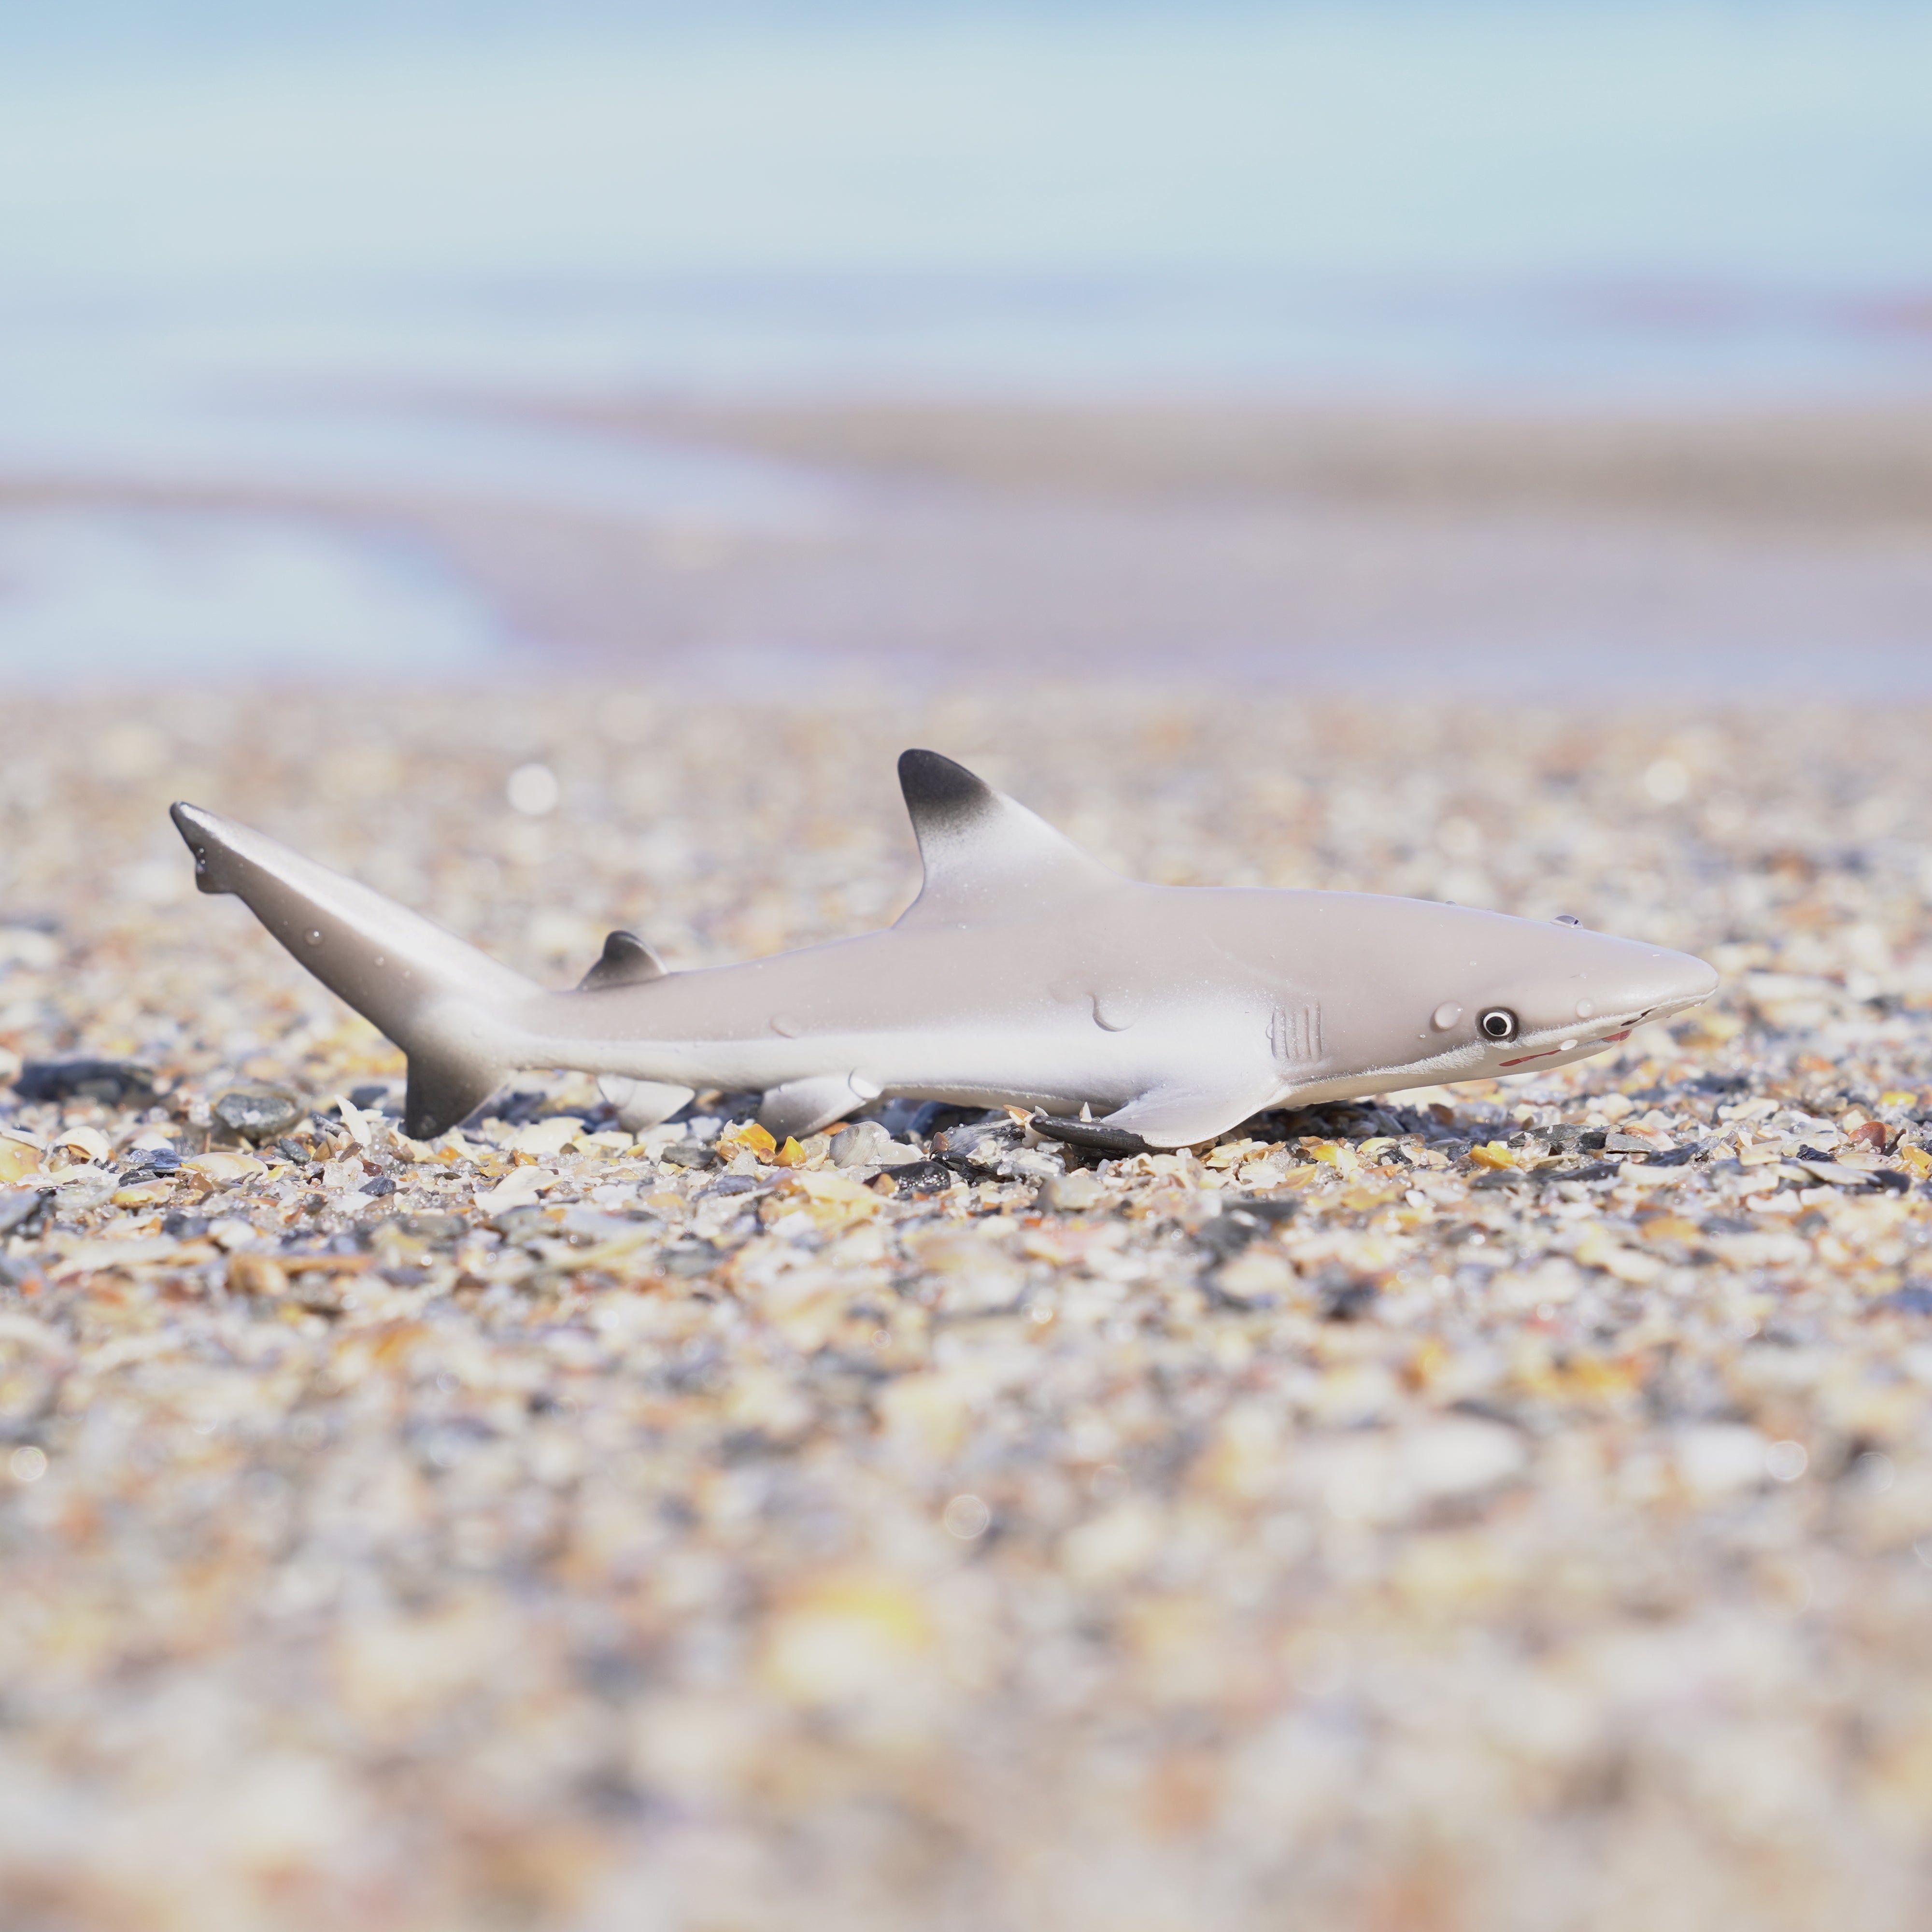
(1507, 1506)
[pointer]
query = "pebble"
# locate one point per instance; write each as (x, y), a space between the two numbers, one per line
(258, 1114)
(867, 1143)
(921, 1176)
(1071, 1193)
(687, 1154)
(17, 1205)
(112, 1081)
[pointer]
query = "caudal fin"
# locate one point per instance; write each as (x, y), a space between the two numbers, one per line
(442, 1001)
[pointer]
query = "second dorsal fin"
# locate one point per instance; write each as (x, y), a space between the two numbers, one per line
(625, 960)
(980, 848)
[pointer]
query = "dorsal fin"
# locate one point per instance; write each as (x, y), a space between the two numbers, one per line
(980, 849)
(625, 960)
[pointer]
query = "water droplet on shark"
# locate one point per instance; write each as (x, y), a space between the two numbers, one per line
(313, 936)
(786, 1026)
(1111, 1010)
(1584, 1008)
(1445, 1016)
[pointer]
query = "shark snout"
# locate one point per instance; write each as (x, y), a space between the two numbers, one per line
(1652, 985)
(1629, 988)
(1676, 980)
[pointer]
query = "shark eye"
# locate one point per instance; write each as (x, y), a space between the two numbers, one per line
(1497, 1023)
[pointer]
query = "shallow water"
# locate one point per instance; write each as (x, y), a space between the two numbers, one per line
(238, 256)
(107, 596)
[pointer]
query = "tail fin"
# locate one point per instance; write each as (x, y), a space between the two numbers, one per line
(437, 998)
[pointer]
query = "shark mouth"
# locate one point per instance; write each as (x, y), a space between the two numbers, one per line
(1551, 1043)
(1569, 1046)
(1626, 1024)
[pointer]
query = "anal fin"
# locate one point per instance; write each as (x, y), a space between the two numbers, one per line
(642, 1103)
(801, 1107)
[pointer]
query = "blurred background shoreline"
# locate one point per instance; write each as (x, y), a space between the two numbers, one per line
(1505, 350)
(1747, 557)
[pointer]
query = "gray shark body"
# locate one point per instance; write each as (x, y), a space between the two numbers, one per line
(1025, 974)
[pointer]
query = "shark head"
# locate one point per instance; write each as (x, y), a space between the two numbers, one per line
(1431, 993)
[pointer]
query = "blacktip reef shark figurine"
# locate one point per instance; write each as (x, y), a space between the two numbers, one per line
(1132, 1016)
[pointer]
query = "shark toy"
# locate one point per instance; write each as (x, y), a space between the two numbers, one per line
(1132, 1016)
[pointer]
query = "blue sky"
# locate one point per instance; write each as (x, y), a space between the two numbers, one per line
(261, 171)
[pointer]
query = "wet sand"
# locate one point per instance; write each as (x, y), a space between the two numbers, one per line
(1560, 557)
(1542, 557)
(1846, 468)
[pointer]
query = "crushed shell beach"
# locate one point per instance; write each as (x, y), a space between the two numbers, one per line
(1501, 1506)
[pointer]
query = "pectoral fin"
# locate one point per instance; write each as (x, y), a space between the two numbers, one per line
(1176, 1116)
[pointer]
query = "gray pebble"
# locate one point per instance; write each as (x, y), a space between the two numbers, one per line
(687, 1154)
(112, 1082)
(17, 1206)
(687, 1259)
(431, 1227)
(257, 1114)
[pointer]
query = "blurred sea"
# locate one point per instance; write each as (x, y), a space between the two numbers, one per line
(278, 272)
